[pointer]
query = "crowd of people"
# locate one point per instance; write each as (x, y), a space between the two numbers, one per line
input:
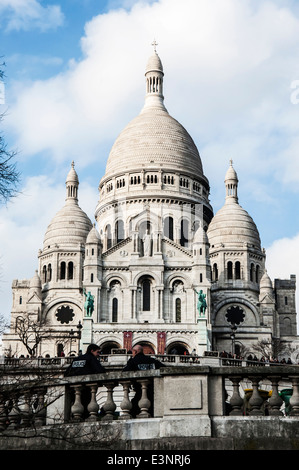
(253, 358)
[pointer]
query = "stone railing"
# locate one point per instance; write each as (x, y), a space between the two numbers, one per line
(171, 392)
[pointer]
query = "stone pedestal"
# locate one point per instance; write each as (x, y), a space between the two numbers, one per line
(86, 334)
(202, 335)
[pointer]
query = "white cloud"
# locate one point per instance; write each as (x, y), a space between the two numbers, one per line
(29, 14)
(227, 79)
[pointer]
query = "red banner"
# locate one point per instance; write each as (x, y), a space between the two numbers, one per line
(128, 335)
(161, 340)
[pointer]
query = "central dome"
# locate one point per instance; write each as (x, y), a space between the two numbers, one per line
(154, 138)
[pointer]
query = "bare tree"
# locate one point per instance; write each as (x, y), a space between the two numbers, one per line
(9, 175)
(31, 332)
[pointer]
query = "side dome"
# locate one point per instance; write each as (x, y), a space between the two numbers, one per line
(70, 226)
(232, 226)
(154, 138)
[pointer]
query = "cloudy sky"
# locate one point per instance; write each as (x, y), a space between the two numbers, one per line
(75, 77)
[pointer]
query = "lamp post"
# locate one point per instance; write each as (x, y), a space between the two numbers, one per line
(77, 334)
(233, 336)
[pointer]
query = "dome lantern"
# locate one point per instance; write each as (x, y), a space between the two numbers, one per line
(154, 81)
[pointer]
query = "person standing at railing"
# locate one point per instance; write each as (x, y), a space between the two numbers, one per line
(86, 364)
(139, 361)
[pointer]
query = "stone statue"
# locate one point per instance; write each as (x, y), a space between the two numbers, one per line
(89, 303)
(146, 244)
(201, 302)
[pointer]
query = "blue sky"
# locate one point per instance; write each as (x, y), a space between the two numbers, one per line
(75, 77)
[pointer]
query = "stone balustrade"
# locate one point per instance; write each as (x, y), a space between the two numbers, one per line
(169, 392)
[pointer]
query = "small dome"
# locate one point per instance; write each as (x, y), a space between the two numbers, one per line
(200, 236)
(266, 283)
(72, 176)
(93, 236)
(231, 174)
(232, 226)
(69, 227)
(35, 282)
(154, 64)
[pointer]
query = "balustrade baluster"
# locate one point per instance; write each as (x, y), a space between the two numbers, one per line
(275, 401)
(14, 414)
(144, 403)
(294, 400)
(109, 407)
(41, 411)
(126, 405)
(26, 413)
(236, 401)
(3, 413)
(255, 400)
(77, 409)
(93, 407)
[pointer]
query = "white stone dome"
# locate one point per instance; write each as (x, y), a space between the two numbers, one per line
(154, 139)
(70, 226)
(232, 226)
(93, 236)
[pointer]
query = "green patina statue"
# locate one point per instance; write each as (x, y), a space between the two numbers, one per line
(89, 303)
(201, 302)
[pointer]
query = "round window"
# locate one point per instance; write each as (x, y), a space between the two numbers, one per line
(65, 314)
(235, 315)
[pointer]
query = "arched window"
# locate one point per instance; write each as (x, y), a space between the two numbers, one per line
(70, 270)
(251, 272)
(91, 277)
(146, 297)
(44, 273)
(178, 310)
(114, 309)
(257, 273)
(49, 274)
(229, 270)
(108, 237)
(184, 232)
(119, 231)
(237, 270)
(62, 270)
(215, 272)
(168, 227)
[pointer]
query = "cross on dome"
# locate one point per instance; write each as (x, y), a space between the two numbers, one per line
(154, 44)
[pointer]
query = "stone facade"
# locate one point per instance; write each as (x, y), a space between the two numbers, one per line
(155, 246)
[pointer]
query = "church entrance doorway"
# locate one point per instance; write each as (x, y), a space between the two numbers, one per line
(106, 347)
(177, 348)
(147, 348)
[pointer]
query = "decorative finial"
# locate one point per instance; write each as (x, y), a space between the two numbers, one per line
(73, 164)
(154, 44)
(231, 162)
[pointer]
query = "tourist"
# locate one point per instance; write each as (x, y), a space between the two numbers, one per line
(87, 363)
(140, 361)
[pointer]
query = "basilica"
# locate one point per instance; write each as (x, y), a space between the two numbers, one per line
(156, 267)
